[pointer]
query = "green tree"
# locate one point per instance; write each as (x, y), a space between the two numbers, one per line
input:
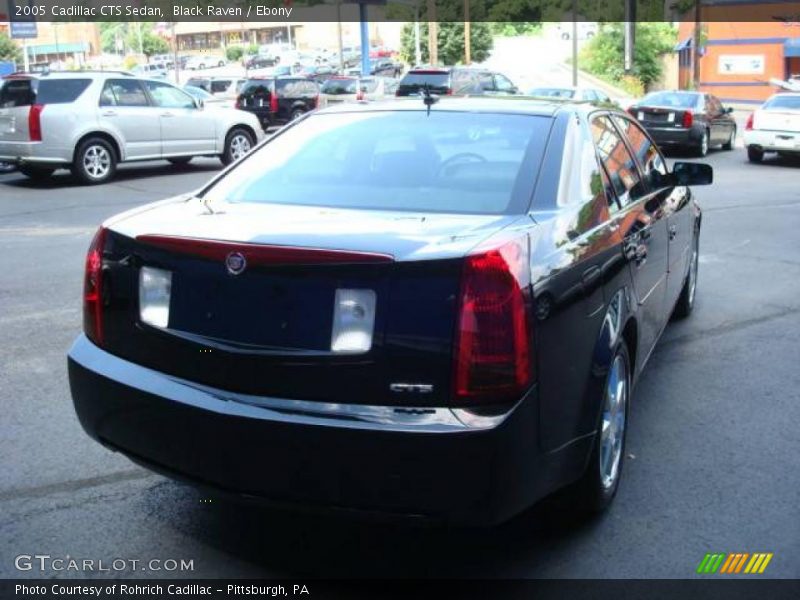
(110, 32)
(450, 38)
(9, 51)
(151, 43)
(604, 54)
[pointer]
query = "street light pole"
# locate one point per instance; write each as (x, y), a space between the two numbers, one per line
(433, 34)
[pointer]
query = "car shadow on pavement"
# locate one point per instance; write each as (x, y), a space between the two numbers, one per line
(64, 179)
(282, 543)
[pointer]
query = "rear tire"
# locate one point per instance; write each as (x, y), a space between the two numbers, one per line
(238, 142)
(685, 303)
(95, 161)
(594, 492)
(36, 172)
(702, 147)
(731, 141)
(296, 114)
(755, 155)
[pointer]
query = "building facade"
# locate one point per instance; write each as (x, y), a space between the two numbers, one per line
(738, 59)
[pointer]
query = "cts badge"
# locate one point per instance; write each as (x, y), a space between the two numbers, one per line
(235, 263)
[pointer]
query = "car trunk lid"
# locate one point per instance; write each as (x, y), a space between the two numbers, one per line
(268, 330)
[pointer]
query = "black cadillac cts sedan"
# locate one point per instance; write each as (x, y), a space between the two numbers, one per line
(437, 311)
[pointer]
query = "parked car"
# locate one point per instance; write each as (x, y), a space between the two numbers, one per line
(208, 100)
(454, 305)
(455, 81)
(205, 61)
(317, 73)
(278, 100)
(351, 89)
(220, 85)
(574, 93)
(152, 70)
(385, 67)
(694, 120)
(259, 62)
(774, 127)
(91, 121)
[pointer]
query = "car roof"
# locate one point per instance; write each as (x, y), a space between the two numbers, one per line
(478, 104)
(68, 74)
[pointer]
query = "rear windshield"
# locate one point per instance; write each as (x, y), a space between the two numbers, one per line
(24, 92)
(552, 92)
(415, 81)
(335, 87)
(295, 88)
(790, 102)
(445, 162)
(672, 99)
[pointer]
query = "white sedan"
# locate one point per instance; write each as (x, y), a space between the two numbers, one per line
(774, 127)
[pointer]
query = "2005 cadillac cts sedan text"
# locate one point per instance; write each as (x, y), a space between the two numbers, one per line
(392, 309)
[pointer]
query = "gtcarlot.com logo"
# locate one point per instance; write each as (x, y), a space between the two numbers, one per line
(46, 563)
(734, 563)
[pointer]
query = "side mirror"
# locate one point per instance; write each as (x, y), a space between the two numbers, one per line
(728, 110)
(199, 104)
(691, 173)
(513, 90)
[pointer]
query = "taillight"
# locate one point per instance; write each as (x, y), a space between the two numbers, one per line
(93, 289)
(632, 111)
(238, 103)
(493, 359)
(360, 95)
(316, 101)
(35, 122)
(688, 119)
(273, 102)
(749, 124)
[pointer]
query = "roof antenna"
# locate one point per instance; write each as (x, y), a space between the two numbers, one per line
(427, 98)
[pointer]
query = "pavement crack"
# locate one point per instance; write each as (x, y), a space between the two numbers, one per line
(73, 485)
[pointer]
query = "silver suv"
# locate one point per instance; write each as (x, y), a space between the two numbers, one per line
(89, 122)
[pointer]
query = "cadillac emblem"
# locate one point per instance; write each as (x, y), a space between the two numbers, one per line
(235, 263)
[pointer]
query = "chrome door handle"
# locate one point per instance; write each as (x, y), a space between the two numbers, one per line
(167, 114)
(109, 113)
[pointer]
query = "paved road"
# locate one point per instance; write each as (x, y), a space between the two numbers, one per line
(714, 447)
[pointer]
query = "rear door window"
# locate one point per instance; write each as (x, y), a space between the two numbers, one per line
(220, 85)
(61, 91)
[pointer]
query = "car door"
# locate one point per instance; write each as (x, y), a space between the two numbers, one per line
(680, 220)
(642, 226)
(185, 128)
(124, 108)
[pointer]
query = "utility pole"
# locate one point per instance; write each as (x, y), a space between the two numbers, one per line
(698, 27)
(467, 34)
(630, 32)
(175, 62)
(574, 42)
(339, 32)
(433, 34)
(417, 49)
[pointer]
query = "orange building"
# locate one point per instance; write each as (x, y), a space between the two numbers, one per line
(739, 58)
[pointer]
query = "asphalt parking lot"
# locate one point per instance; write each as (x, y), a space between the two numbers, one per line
(714, 450)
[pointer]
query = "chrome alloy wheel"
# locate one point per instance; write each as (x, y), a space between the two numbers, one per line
(240, 145)
(613, 423)
(97, 161)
